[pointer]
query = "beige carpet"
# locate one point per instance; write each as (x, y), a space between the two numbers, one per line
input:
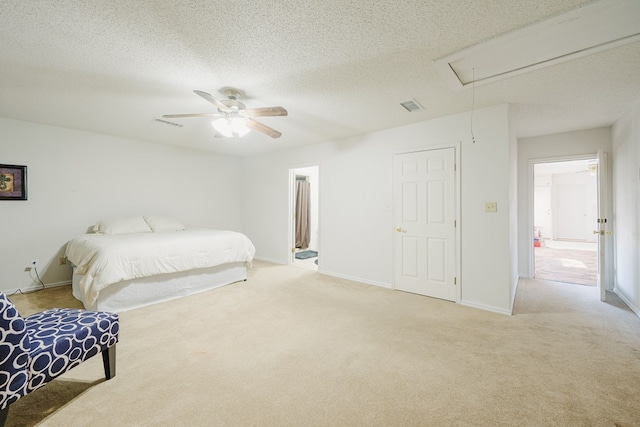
(292, 347)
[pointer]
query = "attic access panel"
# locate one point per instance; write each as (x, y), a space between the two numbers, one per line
(593, 28)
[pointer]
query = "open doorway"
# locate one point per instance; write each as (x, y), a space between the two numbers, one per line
(565, 215)
(305, 213)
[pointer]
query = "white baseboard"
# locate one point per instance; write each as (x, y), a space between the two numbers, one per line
(37, 287)
(624, 299)
(273, 261)
(388, 286)
(486, 308)
(355, 279)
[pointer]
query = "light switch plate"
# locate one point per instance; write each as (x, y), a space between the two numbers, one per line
(491, 206)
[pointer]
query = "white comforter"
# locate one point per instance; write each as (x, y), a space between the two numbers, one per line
(107, 259)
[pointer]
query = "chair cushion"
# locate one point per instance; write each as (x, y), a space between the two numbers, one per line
(14, 353)
(62, 338)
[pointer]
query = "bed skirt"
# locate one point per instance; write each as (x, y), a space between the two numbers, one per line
(136, 293)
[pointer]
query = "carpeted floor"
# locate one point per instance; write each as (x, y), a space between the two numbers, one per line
(292, 347)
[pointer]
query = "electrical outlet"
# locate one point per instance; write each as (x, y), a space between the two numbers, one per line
(491, 206)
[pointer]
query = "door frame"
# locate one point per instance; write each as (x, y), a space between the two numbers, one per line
(604, 248)
(457, 146)
(291, 235)
(608, 256)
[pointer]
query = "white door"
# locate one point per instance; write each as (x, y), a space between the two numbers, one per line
(423, 210)
(602, 226)
(542, 210)
(571, 212)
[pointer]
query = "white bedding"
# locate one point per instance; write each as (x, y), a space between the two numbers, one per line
(106, 259)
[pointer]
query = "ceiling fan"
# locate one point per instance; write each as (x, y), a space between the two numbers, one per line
(592, 169)
(232, 117)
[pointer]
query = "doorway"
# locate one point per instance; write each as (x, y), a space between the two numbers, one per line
(304, 211)
(565, 217)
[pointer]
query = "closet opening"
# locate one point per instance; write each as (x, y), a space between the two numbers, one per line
(305, 217)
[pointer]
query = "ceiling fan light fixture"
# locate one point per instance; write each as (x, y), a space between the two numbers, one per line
(222, 126)
(230, 127)
(233, 118)
(239, 126)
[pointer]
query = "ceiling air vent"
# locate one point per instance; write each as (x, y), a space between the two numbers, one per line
(166, 122)
(411, 105)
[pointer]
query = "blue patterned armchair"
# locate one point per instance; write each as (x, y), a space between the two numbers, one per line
(39, 348)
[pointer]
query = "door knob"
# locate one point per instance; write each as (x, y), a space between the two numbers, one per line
(400, 230)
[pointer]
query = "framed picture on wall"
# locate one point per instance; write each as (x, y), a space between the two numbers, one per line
(13, 182)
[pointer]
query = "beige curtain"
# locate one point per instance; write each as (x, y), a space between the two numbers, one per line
(303, 234)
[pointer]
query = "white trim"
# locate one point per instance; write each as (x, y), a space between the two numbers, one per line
(291, 212)
(356, 279)
(624, 299)
(486, 308)
(37, 287)
(552, 41)
(513, 296)
(271, 260)
(452, 144)
(530, 220)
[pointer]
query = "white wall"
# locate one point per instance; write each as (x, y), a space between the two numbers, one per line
(76, 178)
(626, 206)
(356, 227)
(562, 145)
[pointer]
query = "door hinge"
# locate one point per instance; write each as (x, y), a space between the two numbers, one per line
(293, 250)
(455, 223)
(455, 280)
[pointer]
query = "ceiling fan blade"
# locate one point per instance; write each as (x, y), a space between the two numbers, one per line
(212, 100)
(263, 128)
(267, 111)
(177, 116)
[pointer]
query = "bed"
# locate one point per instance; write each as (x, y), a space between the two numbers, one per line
(129, 263)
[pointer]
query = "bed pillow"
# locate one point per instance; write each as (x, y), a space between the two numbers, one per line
(163, 223)
(135, 224)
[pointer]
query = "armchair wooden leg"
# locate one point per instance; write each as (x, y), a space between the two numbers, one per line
(109, 362)
(3, 415)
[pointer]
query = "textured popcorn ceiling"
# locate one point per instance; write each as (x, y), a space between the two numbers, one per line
(341, 68)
